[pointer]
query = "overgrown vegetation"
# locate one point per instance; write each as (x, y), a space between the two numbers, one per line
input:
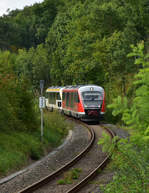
(17, 147)
(55, 128)
(130, 157)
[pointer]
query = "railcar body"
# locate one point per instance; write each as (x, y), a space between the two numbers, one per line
(54, 98)
(86, 102)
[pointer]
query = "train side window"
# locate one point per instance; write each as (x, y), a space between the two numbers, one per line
(55, 98)
(59, 98)
(77, 97)
(48, 97)
(73, 99)
(51, 97)
(63, 96)
(67, 99)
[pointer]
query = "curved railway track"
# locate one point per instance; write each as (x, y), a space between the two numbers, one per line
(45, 181)
(95, 171)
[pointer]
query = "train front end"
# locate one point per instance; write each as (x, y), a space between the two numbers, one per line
(93, 102)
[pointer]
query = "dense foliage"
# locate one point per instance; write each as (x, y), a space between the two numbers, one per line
(131, 155)
(28, 27)
(134, 111)
(17, 110)
(82, 41)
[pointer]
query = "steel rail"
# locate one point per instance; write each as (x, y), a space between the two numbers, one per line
(81, 184)
(50, 177)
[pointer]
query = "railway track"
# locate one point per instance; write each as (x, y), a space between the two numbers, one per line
(46, 184)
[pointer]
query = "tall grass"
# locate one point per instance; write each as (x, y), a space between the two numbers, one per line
(55, 128)
(17, 147)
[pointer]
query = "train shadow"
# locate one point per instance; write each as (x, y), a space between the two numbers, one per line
(92, 122)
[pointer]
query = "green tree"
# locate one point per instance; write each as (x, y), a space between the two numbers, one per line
(34, 65)
(139, 112)
(17, 109)
(135, 112)
(28, 27)
(56, 47)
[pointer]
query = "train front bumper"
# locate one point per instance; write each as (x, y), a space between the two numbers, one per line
(91, 115)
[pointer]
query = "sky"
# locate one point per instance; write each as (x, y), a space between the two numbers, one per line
(15, 4)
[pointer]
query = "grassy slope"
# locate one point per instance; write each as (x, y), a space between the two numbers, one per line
(17, 148)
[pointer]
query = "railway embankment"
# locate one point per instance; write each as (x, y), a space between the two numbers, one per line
(19, 148)
(76, 140)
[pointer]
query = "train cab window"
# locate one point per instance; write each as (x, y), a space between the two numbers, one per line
(92, 99)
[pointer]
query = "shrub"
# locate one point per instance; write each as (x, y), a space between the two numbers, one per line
(70, 176)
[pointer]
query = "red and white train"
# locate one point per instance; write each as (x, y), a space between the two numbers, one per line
(85, 102)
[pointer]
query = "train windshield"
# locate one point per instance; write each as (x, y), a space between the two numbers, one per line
(92, 98)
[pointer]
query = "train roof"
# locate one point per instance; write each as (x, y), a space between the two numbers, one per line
(79, 86)
(54, 88)
(58, 88)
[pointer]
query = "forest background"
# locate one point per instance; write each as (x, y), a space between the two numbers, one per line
(81, 42)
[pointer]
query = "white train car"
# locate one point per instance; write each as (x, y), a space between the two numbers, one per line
(54, 98)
